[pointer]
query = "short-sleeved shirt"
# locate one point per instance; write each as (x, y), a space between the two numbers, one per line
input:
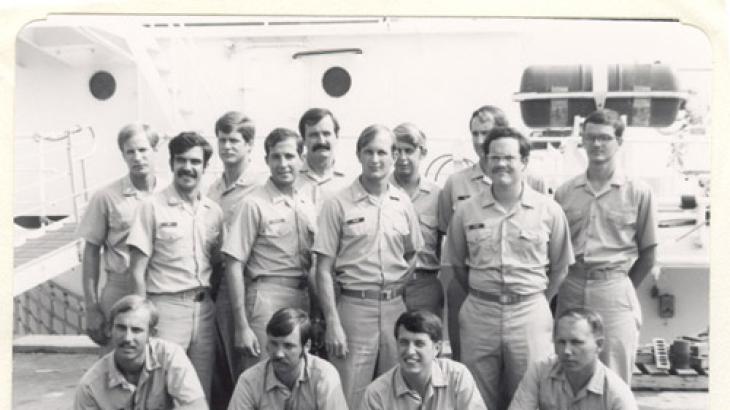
(609, 228)
(168, 379)
(510, 250)
(317, 388)
(368, 237)
(272, 233)
(321, 188)
(180, 241)
(467, 183)
(452, 387)
(228, 198)
(107, 220)
(425, 202)
(545, 387)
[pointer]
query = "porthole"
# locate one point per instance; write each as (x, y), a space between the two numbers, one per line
(336, 82)
(102, 85)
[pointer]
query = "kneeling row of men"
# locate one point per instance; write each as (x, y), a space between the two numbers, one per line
(508, 245)
(144, 372)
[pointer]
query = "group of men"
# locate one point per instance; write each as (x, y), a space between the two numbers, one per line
(232, 274)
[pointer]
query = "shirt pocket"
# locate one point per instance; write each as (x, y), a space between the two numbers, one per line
(531, 244)
(355, 225)
(622, 225)
(276, 228)
(429, 226)
(482, 245)
(120, 220)
(169, 241)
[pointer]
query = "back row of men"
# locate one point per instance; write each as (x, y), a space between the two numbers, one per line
(360, 253)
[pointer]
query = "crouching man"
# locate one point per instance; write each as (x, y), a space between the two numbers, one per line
(290, 378)
(421, 380)
(575, 378)
(142, 372)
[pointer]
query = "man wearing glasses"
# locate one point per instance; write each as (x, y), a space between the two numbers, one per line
(613, 231)
(510, 247)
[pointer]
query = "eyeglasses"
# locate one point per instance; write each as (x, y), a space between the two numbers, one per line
(506, 158)
(598, 138)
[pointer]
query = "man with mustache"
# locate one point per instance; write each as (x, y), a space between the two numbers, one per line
(421, 379)
(172, 244)
(368, 236)
(613, 230)
(105, 225)
(142, 372)
(268, 245)
(574, 378)
(424, 290)
(510, 247)
(461, 186)
(234, 133)
(320, 130)
(290, 378)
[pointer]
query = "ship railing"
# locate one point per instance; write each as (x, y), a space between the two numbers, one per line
(49, 308)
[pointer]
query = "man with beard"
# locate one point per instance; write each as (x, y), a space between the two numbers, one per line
(291, 378)
(510, 247)
(613, 230)
(461, 186)
(320, 130)
(172, 243)
(422, 380)
(105, 225)
(368, 236)
(268, 246)
(142, 372)
(424, 290)
(575, 378)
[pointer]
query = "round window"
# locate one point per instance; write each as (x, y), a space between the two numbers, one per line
(336, 81)
(102, 85)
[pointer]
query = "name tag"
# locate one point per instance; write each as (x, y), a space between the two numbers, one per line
(277, 221)
(475, 226)
(462, 197)
(168, 224)
(394, 198)
(355, 220)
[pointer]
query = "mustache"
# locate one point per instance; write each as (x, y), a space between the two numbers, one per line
(321, 145)
(184, 172)
(125, 344)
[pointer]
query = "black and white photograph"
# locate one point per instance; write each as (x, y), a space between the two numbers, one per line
(363, 212)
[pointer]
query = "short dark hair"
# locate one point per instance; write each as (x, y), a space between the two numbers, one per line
(369, 133)
(420, 321)
(130, 130)
(185, 141)
(606, 116)
(238, 122)
(594, 320)
(283, 322)
(280, 134)
(500, 119)
(133, 302)
(314, 115)
(507, 132)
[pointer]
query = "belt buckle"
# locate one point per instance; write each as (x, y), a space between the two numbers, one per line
(199, 297)
(385, 294)
(505, 298)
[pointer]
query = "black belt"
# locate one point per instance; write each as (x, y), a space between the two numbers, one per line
(501, 298)
(196, 294)
(287, 281)
(424, 273)
(382, 294)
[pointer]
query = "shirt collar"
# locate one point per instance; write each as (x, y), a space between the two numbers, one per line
(271, 382)
(275, 194)
(617, 179)
(128, 188)
(594, 385)
(423, 185)
(529, 197)
(358, 192)
(437, 379)
(476, 173)
(244, 180)
(331, 171)
(116, 378)
(173, 198)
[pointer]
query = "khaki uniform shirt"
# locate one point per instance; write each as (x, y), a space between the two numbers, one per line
(318, 388)
(272, 234)
(368, 237)
(425, 202)
(168, 379)
(319, 189)
(510, 250)
(180, 241)
(228, 198)
(545, 387)
(452, 387)
(107, 220)
(467, 183)
(609, 228)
